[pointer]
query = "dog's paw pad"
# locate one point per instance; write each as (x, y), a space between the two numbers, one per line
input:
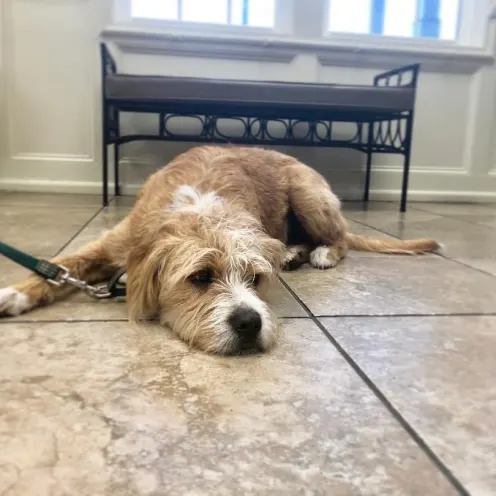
(321, 258)
(13, 302)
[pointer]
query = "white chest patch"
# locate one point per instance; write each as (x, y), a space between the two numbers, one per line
(187, 198)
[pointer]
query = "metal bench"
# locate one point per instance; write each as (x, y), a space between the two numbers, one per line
(269, 113)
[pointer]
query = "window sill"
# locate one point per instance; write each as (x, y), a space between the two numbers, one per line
(333, 50)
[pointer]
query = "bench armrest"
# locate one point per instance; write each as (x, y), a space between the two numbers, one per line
(405, 77)
(109, 66)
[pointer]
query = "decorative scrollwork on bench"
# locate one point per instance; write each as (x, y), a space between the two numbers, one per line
(388, 135)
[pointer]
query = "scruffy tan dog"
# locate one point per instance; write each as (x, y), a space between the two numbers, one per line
(207, 234)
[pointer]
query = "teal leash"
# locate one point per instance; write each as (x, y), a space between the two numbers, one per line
(59, 275)
(43, 268)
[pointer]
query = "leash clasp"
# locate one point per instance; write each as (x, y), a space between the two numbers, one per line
(98, 292)
(62, 277)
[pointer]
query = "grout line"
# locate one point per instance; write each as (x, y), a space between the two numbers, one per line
(79, 231)
(440, 255)
(403, 315)
(463, 264)
(417, 438)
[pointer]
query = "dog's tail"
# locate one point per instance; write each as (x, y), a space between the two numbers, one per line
(387, 245)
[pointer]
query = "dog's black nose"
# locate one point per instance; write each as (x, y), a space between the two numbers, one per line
(246, 322)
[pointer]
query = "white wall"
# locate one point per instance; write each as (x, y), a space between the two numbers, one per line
(50, 128)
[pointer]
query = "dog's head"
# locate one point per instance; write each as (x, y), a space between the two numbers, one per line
(205, 270)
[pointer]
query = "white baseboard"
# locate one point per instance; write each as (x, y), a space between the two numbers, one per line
(95, 188)
(48, 186)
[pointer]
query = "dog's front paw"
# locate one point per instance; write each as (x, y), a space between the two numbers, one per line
(13, 302)
(295, 257)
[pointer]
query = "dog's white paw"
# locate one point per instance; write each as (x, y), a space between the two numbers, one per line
(321, 258)
(440, 250)
(13, 302)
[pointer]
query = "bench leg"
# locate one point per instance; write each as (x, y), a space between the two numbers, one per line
(404, 188)
(105, 175)
(105, 143)
(406, 164)
(117, 187)
(367, 177)
(368, 172)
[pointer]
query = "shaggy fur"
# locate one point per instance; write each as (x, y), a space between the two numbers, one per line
(207, 234)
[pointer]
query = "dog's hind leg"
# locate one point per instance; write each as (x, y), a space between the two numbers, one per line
(94, 263)
(319, 212)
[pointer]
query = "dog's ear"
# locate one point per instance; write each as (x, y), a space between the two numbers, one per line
(143, 282)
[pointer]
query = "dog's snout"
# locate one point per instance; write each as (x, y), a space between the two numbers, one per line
(246, 322)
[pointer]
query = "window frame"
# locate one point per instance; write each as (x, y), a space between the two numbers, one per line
(282, 22)
(472, 28)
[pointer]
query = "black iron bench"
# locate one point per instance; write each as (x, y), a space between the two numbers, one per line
(269, 113)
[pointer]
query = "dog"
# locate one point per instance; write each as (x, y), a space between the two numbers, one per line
(205, 238)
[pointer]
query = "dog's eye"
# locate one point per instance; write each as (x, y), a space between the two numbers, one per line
(202, 278)
(256, 279)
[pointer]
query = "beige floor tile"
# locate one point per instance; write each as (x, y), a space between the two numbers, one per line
(380, 214)
(461, 238)
(99, 409)
(11, 273)
(485, 264)
(393, 285)
(41, 230)
(283, 304)
(124, 201)
(439, 373)
(482, 214)
(461, 209)
(52, 200)
(468, 231)
(104, 221)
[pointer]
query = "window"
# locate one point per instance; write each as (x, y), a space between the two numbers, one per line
(256, 13)
(414, 18)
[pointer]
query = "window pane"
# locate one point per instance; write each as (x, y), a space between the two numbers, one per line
(260, 13)
(449, 19)
(205, 11)
(154, 9)
(400, 17)
(354, 16)
(350, 16)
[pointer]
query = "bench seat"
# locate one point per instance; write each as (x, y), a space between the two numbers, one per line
(275, 94)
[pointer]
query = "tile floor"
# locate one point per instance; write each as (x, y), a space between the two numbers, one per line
(384, 382)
